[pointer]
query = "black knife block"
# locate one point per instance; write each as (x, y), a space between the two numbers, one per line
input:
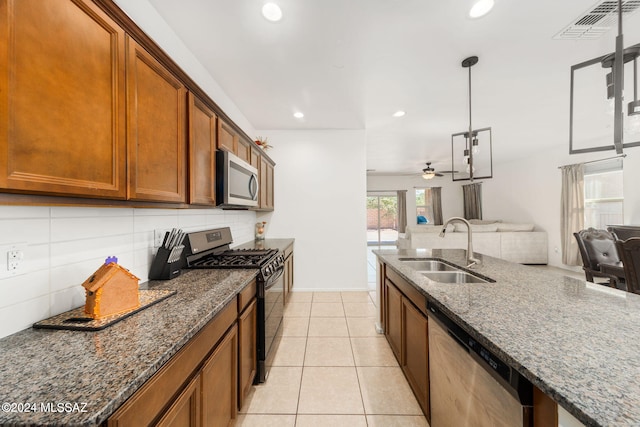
(162, 269)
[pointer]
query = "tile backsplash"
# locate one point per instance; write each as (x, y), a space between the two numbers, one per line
(64, 245)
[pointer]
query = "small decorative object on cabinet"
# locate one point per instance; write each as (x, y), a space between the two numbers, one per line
(263, 143)
(112, 289)
(260, 230)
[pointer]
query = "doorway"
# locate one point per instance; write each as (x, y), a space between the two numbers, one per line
(382, 219)
(382, 229)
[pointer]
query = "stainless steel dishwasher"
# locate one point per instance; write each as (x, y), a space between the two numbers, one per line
(469, 385)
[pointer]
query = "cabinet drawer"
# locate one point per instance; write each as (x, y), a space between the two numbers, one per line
(408, 290)
(151, 399)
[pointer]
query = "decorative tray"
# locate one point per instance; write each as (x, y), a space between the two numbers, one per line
(76, 320)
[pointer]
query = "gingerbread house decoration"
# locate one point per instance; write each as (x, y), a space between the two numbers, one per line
(111, 290)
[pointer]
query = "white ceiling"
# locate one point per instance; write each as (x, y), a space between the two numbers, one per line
(349, 64)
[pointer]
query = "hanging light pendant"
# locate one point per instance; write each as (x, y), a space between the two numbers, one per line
(471, 139)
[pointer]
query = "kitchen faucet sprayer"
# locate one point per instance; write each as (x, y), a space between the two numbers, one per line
(470, 259)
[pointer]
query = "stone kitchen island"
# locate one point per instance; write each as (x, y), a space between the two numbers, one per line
(575, 341)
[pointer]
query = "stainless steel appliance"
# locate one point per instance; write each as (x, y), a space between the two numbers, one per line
(471, 386)
(236, 181)
(210, 249)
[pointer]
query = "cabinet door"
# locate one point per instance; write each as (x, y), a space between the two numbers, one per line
(219, 383)
(270, 196)
(247, 351)
(393, 329)
(416, 353)
(62, 108)
(289, 270)
(227, 137)
(243, 150)
(255, 157)
(265, 201)
(156, 129)
(202, 151)
(185, 410)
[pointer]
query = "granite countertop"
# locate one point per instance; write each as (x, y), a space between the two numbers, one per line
(92, 373)
(576, 341)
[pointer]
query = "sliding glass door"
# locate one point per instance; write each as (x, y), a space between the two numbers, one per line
(382, 219)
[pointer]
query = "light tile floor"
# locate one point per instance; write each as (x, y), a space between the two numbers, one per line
(332, 368)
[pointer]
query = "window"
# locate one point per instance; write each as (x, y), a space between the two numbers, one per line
(424, 205)
(603, 196)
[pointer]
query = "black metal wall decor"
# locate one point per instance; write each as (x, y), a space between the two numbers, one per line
(471, 150)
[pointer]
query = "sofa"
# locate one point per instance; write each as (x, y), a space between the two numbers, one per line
(513, 242)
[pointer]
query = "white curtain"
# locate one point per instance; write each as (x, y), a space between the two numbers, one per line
(572, 212)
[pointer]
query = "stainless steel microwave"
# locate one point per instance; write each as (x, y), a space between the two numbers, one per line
(236, 181)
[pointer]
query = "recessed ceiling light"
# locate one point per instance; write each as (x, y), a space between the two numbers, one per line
(399, 113)
(298, 115)
(481, 8)
(272, 12)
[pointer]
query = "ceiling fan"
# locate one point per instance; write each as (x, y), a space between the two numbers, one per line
(429, 172)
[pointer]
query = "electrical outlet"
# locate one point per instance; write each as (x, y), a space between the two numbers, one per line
(13, 260)
(158, 237)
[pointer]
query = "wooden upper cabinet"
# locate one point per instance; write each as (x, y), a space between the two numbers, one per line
(62, 107)
(254, 157)
(202, 152)
(244, 150)
(156, 129)
(266, 185)
(227, 137)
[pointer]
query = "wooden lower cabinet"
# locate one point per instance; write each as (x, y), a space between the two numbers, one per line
(393, 326)
(288, 273)
(406, 328)
(416, 353)
(247, 350)
(197, 386)
(219, 379)
(185, 411)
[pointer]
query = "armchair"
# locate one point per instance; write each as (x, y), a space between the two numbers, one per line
(598, 247)
(629, 251)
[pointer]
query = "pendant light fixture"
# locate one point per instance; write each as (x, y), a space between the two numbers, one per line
(623, 127)
(476, 162)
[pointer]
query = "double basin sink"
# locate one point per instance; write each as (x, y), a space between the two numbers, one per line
(442, 272)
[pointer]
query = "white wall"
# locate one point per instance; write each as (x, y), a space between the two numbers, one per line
(528, 190)
(320, 190)
(451, 192)
(65, 245)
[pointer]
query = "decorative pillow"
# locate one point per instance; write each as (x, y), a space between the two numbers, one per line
(484, 221)
(476, 228)
(506, 226)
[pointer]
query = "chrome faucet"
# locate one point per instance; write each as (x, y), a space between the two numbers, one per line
(470, 259)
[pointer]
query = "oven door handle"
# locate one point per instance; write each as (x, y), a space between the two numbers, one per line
(274, 278)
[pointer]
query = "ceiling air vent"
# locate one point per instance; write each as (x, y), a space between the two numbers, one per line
(597, 20)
